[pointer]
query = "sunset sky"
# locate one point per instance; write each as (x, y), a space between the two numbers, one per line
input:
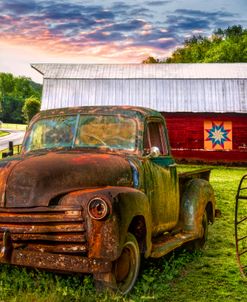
(35, 31)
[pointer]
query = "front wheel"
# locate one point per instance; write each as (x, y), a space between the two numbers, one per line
(125, 269)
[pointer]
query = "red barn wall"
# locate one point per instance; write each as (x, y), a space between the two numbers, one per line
(186, 133)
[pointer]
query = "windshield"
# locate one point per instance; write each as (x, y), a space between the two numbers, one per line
(84, 131)
(51, 133)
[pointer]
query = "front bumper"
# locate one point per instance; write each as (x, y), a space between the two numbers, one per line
(50, 261)
(52, 238)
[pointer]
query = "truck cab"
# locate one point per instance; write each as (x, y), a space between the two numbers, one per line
(94, 189)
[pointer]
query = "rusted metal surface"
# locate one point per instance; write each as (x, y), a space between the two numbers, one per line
(167, 243)
(59, 262)
(241, 226)
(6, 167)
(71, 208)
(56, 231)
(40, 177)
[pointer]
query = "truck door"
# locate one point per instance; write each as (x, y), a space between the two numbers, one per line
(160, 177)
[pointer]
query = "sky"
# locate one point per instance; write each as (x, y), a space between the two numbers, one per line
(109, 31)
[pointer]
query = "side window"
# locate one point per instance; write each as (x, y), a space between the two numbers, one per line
(154, 136)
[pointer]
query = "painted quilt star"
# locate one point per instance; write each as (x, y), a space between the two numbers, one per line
(217, 135)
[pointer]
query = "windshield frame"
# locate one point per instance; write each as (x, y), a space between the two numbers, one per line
(73, 143)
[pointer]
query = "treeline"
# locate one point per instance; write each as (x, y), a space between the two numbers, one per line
(223, 46)
(19, 98)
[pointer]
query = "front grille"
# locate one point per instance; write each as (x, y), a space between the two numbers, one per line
(53, 230)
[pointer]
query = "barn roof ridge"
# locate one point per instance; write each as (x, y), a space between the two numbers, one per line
(143, 71)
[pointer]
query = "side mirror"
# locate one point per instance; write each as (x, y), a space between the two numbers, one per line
(154, 152)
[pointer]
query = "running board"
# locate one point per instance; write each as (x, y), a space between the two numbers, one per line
(167, 243)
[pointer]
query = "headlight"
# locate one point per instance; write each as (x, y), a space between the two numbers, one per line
(98, 208)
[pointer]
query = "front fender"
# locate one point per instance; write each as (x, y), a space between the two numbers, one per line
(129, 205)
(198, 196)
(106, 237)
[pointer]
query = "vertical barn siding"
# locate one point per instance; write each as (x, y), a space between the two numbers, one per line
(186, 132)
(165, 95)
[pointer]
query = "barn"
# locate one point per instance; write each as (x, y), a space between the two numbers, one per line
(205, 105)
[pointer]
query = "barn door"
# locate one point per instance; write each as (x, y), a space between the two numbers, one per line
(241, 225)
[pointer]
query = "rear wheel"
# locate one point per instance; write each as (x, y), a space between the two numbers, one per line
(200, 242)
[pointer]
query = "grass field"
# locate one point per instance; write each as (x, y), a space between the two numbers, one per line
(17, 149)
(3, 133)
(211, 275)
(14, 126)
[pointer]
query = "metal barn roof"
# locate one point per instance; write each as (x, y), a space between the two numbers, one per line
(143, 71)
(164, 87)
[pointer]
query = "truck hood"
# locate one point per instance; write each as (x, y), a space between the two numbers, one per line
(35, 180)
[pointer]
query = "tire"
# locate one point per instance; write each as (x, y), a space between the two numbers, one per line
(200, 242)
(126, 267)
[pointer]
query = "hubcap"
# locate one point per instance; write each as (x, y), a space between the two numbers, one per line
(122, 265)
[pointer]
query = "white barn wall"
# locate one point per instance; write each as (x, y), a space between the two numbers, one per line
(167, 95)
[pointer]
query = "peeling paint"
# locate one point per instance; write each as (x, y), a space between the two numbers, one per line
(45, 206)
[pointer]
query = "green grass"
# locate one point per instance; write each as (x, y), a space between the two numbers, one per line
(14, 126)
(211, 275)
(3, 133)
(17, 149)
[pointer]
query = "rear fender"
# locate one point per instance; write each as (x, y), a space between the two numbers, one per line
(198, 196)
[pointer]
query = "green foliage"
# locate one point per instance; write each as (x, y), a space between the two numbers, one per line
(224, 46)
(17, 150)
(11, 109)
(6, 83)
(13, 92)
(211, 275)
(229, 45)
(150, 60)
(3, 133)
(30, 108)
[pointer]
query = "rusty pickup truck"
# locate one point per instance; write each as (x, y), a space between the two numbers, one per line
(96, 188)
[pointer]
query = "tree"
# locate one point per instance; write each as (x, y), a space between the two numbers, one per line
(6, 83)
(30, 108)
(150, 60)
(223, 46)
(13, 92)
(11, 110)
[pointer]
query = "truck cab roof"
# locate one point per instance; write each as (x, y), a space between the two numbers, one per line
(130, 111)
